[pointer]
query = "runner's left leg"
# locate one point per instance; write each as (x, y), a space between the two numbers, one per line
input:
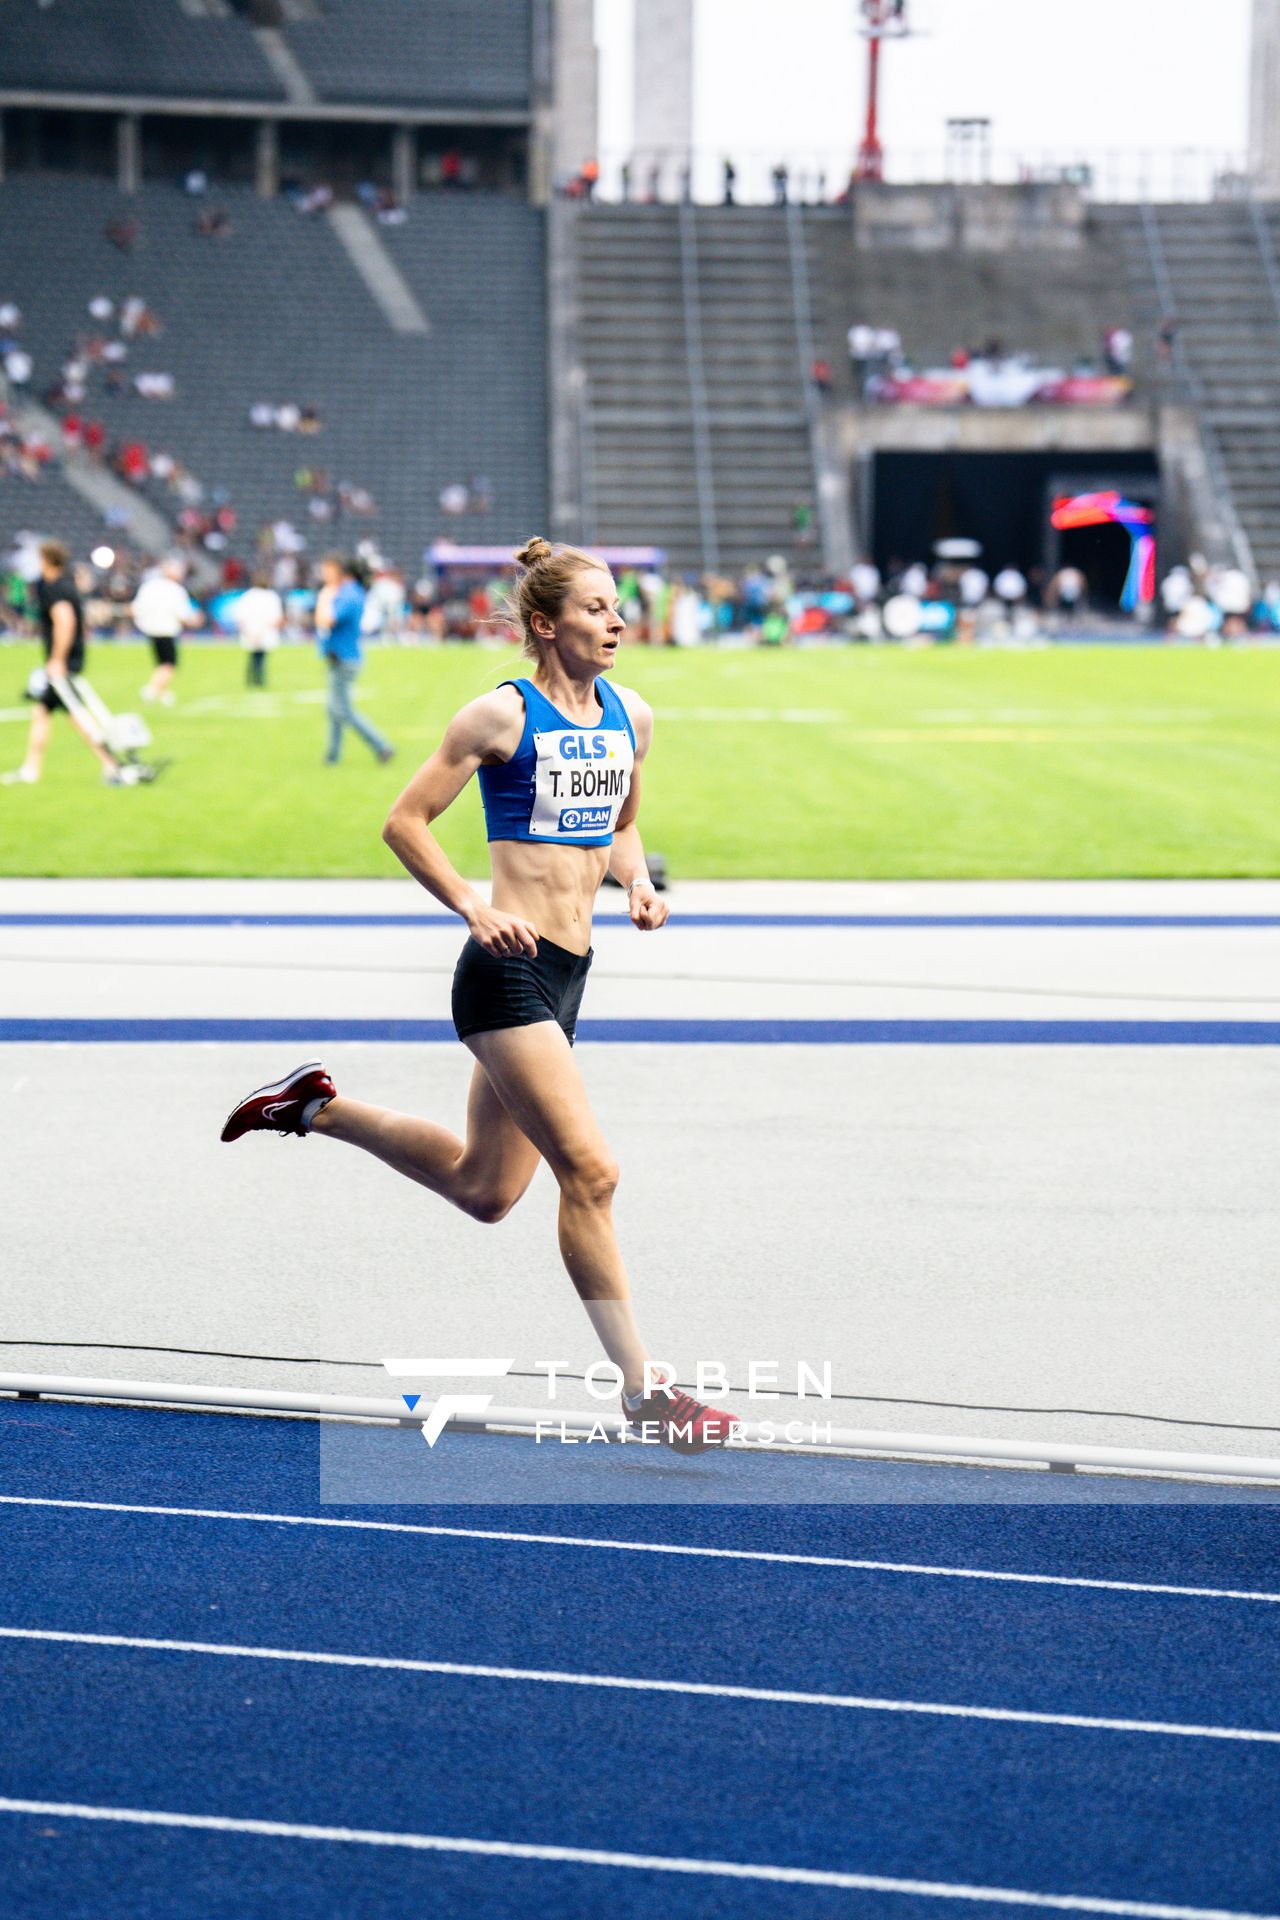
(533, 1071)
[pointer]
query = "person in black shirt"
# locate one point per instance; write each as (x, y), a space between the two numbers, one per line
(62, 633)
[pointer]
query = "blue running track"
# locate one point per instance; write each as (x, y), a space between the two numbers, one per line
(165, 1753)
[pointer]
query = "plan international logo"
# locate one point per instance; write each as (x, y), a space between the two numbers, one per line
(603, 1381)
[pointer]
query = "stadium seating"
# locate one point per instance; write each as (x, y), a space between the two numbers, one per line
(451, 53)
(52, 510)
(277, 313)
(133, 47)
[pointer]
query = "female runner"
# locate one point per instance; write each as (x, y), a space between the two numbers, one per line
(558, 757)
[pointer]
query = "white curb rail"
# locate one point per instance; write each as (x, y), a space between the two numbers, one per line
(837, 1440)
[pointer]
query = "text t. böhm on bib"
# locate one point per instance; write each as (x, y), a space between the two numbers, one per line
(581, 781)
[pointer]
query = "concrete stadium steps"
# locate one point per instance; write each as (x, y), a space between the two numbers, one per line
(1229, 325)
(278, 313)
(636, 352)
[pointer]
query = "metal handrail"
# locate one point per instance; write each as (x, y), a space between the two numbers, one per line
(1266, 247)
(837, 553)
(698, 389)
(586, 463)
(1190, 382)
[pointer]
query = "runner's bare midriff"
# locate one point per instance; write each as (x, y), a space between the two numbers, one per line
(554, 887)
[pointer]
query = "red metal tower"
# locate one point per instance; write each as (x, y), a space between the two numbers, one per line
(884, 19)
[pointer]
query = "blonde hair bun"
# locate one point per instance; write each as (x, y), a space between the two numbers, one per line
(533, 551)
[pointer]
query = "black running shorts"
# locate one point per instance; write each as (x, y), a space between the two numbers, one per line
(165, 650)
(491, 991)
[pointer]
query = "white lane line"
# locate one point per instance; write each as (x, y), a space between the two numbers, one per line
(635, 1862)
(647, 1546)
(772, 1696)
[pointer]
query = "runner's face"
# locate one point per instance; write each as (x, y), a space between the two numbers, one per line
(590, 626)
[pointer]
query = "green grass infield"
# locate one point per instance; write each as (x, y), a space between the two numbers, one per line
(869, 762)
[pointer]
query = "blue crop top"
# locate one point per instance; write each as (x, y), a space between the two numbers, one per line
(564, 783)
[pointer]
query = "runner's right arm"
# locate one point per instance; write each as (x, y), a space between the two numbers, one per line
(486, 729)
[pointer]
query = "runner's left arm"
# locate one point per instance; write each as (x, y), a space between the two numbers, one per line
(63, 621)
(627, 863)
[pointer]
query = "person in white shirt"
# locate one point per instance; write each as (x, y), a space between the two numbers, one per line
(973, 584)
(161, 609)
(259, 615)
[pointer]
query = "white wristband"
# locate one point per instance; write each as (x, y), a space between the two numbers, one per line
(643, 881)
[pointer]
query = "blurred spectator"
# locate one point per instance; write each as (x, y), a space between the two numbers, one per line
(862, 348)
(123, 233)
(973, 586)
(780, 179)
(339, 616)
(1067, 592)
(1010, 586)
(730, 180)
(213, 225)
(387, 604)
(1175, 591)
(865, 581)
(686, 616)
(161, 609)
(1118, 349)
(259, 618)
(137, 321)
(1230, 592)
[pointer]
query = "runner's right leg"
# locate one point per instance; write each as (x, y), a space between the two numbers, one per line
(484, 1176)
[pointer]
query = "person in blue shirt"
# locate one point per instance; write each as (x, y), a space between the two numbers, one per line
(339, 614)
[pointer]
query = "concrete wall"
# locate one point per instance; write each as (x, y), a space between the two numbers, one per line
(1264, 98)
(576, 80)
(950, 218)
(663, 77)
(1032, 294)
(565, 131)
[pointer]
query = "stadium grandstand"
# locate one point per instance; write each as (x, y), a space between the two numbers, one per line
(352, 269)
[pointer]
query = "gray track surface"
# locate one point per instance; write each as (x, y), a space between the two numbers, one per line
(1035, 1228)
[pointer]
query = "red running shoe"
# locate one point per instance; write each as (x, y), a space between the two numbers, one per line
(680, 1421)
(279, 1107)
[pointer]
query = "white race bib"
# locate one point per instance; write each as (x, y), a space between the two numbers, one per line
(582, 779)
